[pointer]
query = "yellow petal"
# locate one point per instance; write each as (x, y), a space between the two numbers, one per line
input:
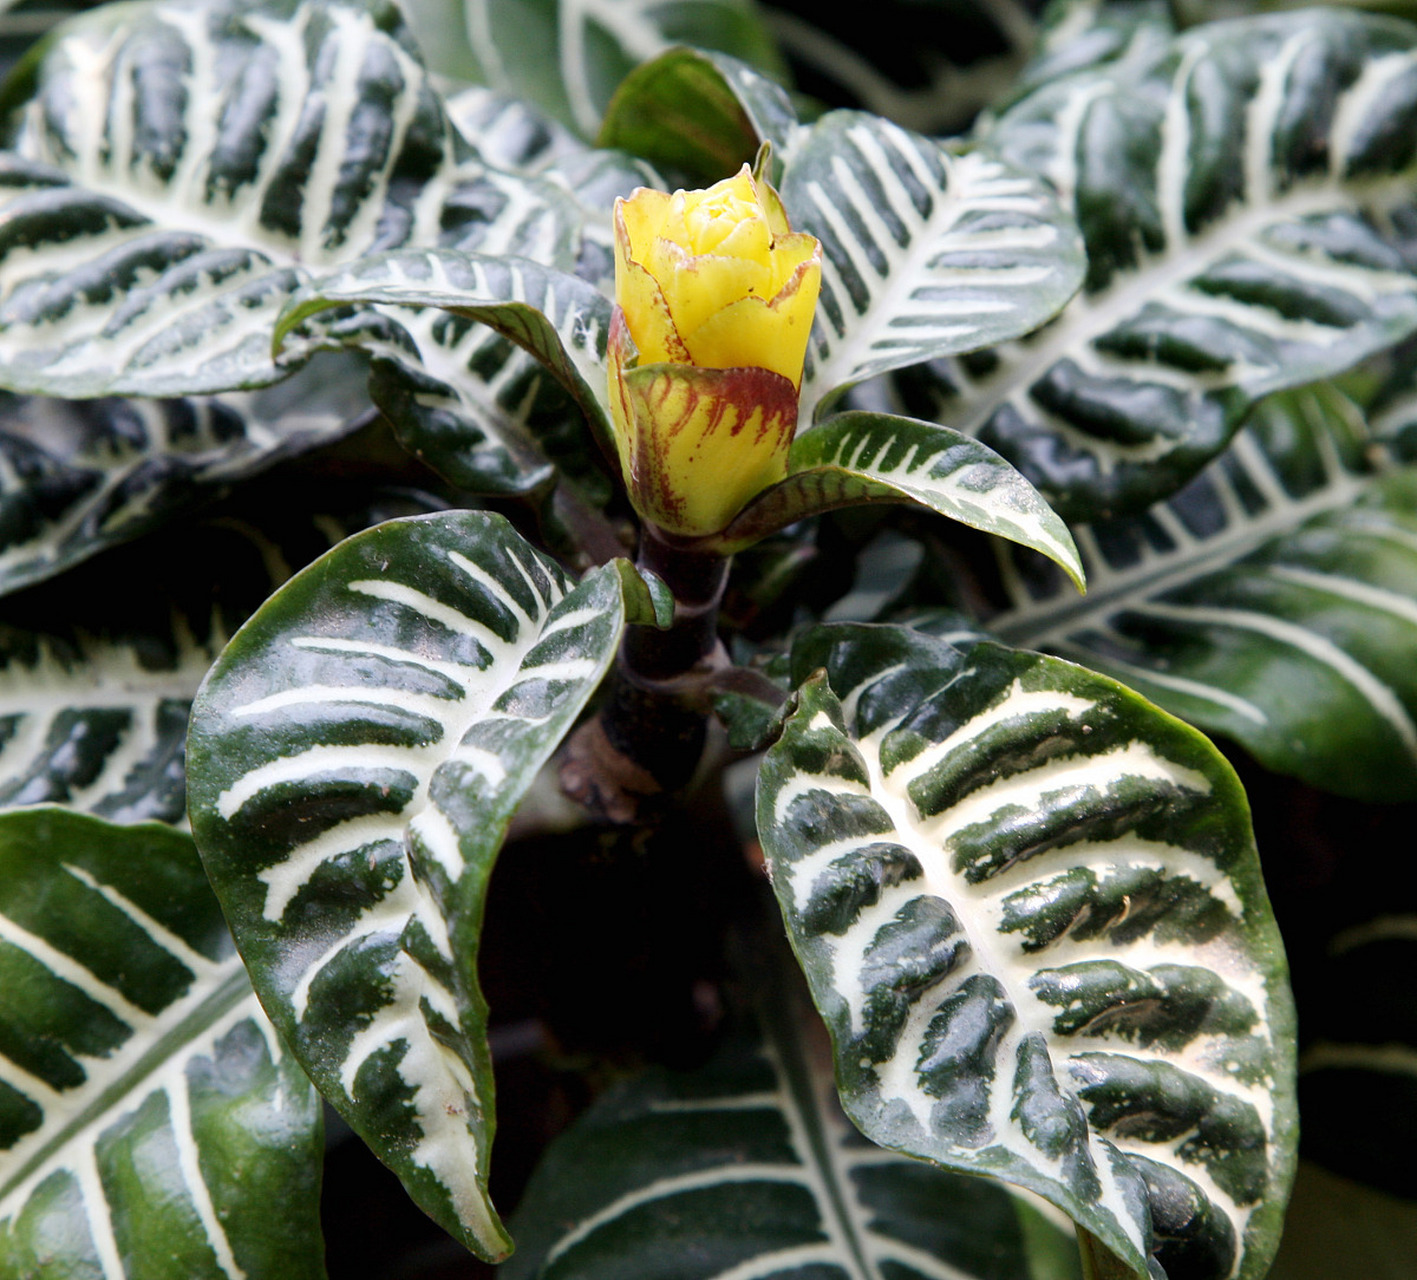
(639, 296)
(773, 211)
(711, 215)
(639, 219)
(755, 332)
(706, 442)
(789, 253)
(698, 287)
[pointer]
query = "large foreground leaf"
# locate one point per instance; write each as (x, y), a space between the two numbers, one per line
(1273, 600)
(1232, 189)
(151, 1123)
(355, 758)
(1029, 908)
(751, 1159)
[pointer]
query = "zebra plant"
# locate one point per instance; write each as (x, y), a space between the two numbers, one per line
(507, 517)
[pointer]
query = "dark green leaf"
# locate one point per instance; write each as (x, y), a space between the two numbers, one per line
(1029, 907)
(151, 1122)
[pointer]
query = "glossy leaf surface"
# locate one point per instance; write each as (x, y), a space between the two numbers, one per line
(924, 253)
(1232, 189)
(1030, 910)
(751, 1159)
(176, 169)
(1273, 600)
(356, 756)
(556, 317)
(855, 458)
(151, 1123)
(698, 113)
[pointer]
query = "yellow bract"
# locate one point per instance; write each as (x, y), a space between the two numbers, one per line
(716, 278)
(708, 282)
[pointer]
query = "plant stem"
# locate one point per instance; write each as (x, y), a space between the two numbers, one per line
(649, 736)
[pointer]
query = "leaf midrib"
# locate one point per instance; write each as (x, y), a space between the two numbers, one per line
(1036, 625)
(1087, 317)
(181, 1023)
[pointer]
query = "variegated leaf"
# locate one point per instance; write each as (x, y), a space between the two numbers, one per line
(568, 56)
(855, 458)
(1075, 35)
(1030, 910)
(355, 758)
(924, 253)
(514, 136)
(172, 179)
(99, 667)
(751, 1159)
(151, 1122)
(172, 173)
(1273, 600)
(1233, 191)
(559, 318)
(78, 476)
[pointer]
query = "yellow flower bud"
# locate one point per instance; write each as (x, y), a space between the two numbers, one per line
(715, 296)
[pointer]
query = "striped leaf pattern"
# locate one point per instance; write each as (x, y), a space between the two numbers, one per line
(751, 1158)
(80, 475)
(98, 668)
(1030, 910)
(854, 458)
(1273, 600)
(170, 183)
(356, 756)
(1232, 190)
(924, 253)
(558, 318)
(151, 1123)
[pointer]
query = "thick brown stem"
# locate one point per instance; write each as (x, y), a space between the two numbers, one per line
(649, 735)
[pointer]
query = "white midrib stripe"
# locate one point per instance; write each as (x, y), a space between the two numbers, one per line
(1040, 625)
(225, 1000)
(1088, 317)
(663, 1188)
(986, 956)
(831, 1185)
(1378, 695)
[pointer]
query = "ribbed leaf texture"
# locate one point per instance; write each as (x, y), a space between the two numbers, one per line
(1238, 190)
(151, 1122)
(356, 756)
(1273, 600)
(1030, 910)
(98, 668)
(77, 476)
(751, 1159)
